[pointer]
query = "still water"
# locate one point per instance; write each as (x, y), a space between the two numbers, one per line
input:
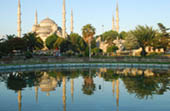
(86, 90)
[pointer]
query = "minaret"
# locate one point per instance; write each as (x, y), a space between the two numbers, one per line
(113, 23)
(117, 17)
(72, 89)
(72, 27)
(64, 93)
(117, 93)
(19, 100)
(113, 86)
(36, 93)
(19, 20)
(64, 20)
(36, 18)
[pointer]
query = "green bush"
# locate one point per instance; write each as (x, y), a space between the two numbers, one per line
(69, 53)
(112, 48)
(0, 55)
(28, 55)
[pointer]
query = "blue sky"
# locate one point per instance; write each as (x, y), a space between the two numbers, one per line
(95, 12)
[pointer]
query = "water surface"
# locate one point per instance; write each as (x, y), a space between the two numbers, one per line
(86, 90)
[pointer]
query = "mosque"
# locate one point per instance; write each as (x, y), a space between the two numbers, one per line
(115, 27)
(47, 26)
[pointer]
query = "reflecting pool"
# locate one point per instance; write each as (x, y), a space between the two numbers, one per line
(97, 89)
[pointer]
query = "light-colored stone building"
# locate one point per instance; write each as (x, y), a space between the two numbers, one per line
(118, 42)
(148, 49)
(46, 28)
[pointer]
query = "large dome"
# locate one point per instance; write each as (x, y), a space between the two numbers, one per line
(46, 28)
(47, 22)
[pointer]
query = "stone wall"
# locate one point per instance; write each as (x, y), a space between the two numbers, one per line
(37, 60)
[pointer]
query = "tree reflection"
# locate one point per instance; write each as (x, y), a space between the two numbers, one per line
(88, 86)
(144, 83)
(19, 80)
(145, 87)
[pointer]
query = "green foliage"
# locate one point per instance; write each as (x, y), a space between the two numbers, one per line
(123, 35)
(96, 51)
(78, 42)
(65, 46)
(16, 44)
(86, 51)
(33, 42)
(164, 30)
(70, 53)
(28, 55)
(144, 36)
(112, 48)
(74, 45)
(160, 41)
(88, 31)
(50, 41)
(10, 37)
(131, 42)
(4, 49)
(109, 36)
(58, 42)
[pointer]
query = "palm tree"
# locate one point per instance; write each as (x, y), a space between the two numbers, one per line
(164, 30)
(144, 36)
(88, 31)
(10, 37)
(33, 42)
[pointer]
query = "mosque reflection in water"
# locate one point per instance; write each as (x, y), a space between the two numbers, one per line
(144, 83)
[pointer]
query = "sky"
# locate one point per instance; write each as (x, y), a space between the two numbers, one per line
(95, 12)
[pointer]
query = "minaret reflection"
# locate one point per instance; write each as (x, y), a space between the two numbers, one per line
(113, 86)
(117, 94)
(72, 89)
(36, 93)
(64, 93)
(19, 100)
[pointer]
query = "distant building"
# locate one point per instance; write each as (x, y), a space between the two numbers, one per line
(118, 42)
(46, 28)
(148, 49)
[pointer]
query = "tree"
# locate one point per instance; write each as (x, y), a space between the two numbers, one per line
(160, 41)
(96, 51)
(109, 36)
(10, 37)
(64, 45)
(164, 30)
(130, 42)
(144, 36)
(112, 49)
(88, 86)
(5, 45)
(33, 42)
(58, 42)
(4, 49)
(123, 35)
(50, 41)
(88, 31)
(78, 42)
(16, 44)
